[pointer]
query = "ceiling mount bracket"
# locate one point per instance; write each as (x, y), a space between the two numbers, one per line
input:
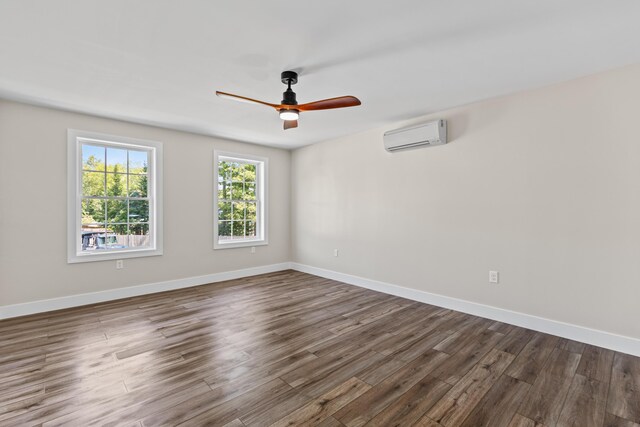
(289, 77)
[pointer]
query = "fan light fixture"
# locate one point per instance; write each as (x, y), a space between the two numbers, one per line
(289, 114)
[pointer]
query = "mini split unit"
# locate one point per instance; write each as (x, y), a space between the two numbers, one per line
(427, 134)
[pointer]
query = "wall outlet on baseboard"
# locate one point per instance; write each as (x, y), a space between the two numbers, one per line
(119, 264)
(493, 277)
(253, 249)
(335, 252)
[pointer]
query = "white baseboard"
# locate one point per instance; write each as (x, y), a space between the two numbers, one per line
(41, 306)
(583, 334)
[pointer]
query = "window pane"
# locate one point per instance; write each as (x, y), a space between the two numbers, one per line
(238, 229)
(138, 161)
(116, 160)
(237, 190)
(139, 235)
(93, 212)
(251, 212)
(249, 191)
(251, 229)
(224, 229)
(249, 172)
(117, 236)
(224, 171)
(236, 172)
(92, 157)
(91, 238)
(117, 211)
(224, 190)
(117, 184)
(224, 211)
(138, 185)
(93, 184)
(237, 211)
(138, 211)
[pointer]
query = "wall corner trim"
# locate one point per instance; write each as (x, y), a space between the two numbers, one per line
(77, 300)
(583, 334)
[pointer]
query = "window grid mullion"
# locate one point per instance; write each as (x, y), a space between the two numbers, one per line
(127, 237)
(115, 198)
(105, 193)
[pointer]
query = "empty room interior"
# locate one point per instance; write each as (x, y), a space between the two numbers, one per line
(363, 213)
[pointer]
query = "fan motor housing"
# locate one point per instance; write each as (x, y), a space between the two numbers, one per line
(289, 97)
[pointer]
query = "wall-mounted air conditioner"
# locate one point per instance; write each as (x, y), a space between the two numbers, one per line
(427, 134)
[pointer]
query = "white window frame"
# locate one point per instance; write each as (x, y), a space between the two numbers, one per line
(262, 185)
(74, 196)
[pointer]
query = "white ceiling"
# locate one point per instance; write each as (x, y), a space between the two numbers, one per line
(160, 61)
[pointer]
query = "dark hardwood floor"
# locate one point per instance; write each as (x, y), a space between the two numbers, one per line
(288, 349)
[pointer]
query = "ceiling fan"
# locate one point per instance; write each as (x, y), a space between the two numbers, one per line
(289, 108)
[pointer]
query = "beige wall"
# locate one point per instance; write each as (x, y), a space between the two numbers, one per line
(543, 186)
(33, 174)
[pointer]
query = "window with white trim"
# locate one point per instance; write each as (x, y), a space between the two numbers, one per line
(115, 208)
(239, 200)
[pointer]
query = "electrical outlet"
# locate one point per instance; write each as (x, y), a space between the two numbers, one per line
(253, 249)
(493, 277)
(335, 252)
(119, 264)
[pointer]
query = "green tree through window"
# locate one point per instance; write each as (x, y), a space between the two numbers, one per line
(239, 201)
(115, 202)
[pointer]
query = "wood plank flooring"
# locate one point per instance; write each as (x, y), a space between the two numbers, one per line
(288, 349)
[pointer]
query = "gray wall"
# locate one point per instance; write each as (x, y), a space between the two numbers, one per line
(33, 174)
(543, 186)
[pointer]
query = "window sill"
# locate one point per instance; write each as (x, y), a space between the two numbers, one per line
(109, 256)
(242, 244)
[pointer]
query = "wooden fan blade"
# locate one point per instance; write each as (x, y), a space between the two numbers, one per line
(244, 99)
(327, 104)
(289, 124)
